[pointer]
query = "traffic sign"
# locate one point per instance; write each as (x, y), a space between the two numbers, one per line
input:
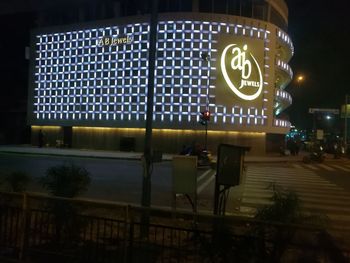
(313, 110)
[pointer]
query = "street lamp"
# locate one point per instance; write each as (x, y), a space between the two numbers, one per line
(300, 79)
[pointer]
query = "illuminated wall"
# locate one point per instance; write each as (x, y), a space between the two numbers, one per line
(97, 76)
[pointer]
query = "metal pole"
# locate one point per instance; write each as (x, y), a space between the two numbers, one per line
(346, 124)
(206, 134)
(146, 182)
(216, 196)
(206, 57)
(314, 127)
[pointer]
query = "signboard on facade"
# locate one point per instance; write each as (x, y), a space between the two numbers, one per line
(240, 70)
(114, 41)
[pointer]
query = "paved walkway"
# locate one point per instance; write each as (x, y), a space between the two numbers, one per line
(28, 149)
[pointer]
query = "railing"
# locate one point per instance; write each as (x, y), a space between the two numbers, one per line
(37, 228)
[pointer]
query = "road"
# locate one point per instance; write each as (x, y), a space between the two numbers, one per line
(323, 188)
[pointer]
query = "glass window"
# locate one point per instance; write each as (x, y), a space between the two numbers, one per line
(220, 6)
(260, 11)
(246, 8)
(205, 5)
(277, 19)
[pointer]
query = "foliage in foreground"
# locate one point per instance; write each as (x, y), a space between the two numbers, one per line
(17, 181)
(66, 180)
(280, 232)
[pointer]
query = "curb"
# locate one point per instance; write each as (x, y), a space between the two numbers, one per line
(70, 155)
(131, 158)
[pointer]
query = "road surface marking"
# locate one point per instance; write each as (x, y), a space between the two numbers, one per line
(341, 167)
(310, 166)
(297, 166)
(203, 175)
(326, 167)
(316, 193)
(205, 184)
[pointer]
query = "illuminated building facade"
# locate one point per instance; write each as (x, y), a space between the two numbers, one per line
(88, 83)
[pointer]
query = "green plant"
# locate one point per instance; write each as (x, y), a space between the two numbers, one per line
(278, 228)
(285, 222)
(287, 208)
(17, 181)
(66, 180)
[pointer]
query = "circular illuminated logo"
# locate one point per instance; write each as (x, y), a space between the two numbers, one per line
(243, 75)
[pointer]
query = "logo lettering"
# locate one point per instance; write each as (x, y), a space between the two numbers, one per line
(242, 64)
(114, 41)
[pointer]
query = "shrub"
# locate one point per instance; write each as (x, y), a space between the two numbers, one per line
(17, 181)
(66, 180)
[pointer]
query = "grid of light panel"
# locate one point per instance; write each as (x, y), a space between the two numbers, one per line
(76, 79)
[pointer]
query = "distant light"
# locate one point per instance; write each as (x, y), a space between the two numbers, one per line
(328, 117)
(300, 79)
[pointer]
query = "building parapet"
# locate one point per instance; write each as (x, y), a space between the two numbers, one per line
(283, 95)
(285, 67)
(281, 123)
(285, 39)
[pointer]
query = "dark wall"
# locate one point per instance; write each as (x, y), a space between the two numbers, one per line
(274, 142)
(14, 77)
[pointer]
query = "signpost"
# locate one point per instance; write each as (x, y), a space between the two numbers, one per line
(319, 134)
(228, 174)
(345, 111)
(184, 176)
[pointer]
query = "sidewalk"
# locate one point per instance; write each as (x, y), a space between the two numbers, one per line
(88, 153)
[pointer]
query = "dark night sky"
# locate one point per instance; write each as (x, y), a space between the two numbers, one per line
(319, 30)
(320, 33)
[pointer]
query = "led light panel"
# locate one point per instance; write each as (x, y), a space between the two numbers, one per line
(78, 77)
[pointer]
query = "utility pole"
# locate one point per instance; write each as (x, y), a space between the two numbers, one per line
(147, 158)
